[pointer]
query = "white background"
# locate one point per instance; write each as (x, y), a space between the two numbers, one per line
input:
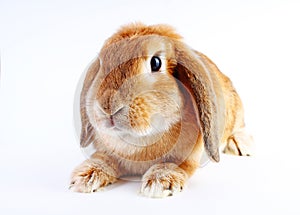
(45, 47)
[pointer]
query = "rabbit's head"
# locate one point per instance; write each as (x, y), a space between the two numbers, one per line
(138, 85)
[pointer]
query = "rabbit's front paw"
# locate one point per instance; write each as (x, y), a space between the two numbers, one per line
(163, 180)
(91, 175)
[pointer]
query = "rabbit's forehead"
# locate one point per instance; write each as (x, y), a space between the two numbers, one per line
(159, 46)
(127, 49)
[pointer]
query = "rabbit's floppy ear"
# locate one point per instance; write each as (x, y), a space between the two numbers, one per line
(87, 134)
(197, 77)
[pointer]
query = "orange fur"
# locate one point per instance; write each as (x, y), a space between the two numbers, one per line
(139, 29)
(155, 124)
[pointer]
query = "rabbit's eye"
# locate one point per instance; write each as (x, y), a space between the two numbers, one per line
(155, 63)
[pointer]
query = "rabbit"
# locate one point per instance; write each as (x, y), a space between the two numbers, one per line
(153, 107)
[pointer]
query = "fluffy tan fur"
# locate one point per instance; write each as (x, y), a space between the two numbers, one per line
(197, 104)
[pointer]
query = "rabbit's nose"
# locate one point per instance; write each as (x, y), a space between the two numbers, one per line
(113, 119)
(118, 111)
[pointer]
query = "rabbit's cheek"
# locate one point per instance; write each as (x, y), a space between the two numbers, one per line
(139, 116)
